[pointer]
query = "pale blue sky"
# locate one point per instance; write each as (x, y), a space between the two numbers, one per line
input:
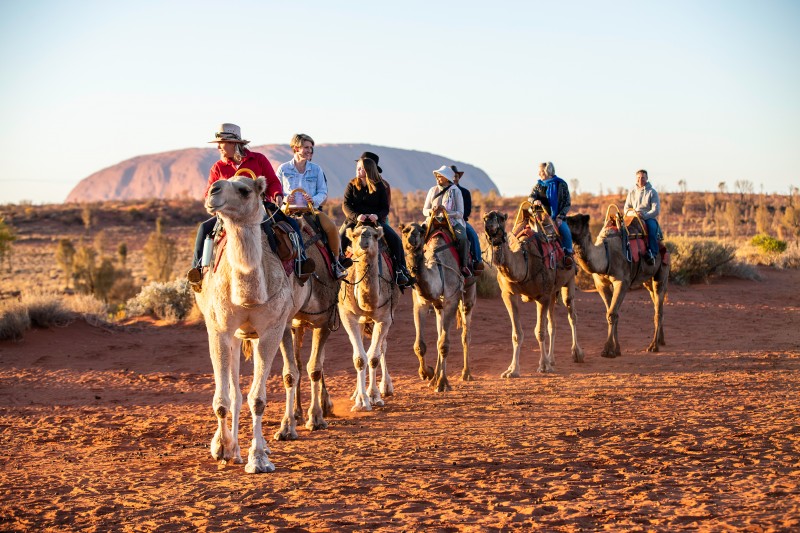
(701, 91)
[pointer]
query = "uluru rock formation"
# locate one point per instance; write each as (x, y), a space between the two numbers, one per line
(183, 173)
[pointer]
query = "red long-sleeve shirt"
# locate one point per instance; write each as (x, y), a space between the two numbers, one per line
(254, 161)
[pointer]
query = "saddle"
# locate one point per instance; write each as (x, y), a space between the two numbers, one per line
(313, 234)
(541, 230)
(441, 225)
(633, 231)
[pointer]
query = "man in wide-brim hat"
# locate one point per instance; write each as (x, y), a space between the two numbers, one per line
(474, 243)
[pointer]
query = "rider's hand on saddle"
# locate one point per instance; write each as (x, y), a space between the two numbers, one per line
(308, 198)
(537, 202)
(278, 199)
(362, 218)
(373, 217)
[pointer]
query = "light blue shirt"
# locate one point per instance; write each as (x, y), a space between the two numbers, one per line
(313, 181)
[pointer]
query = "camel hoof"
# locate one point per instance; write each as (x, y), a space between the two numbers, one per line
(510, 374)
(608, 355)
(466, 376)
(312, 425)
(285, 434)
(262, 465)
(360, 408)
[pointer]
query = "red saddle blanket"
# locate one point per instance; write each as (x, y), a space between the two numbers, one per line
(323, 250)
(449, 243)
(550, 248)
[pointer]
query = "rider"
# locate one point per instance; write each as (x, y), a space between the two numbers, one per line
(365, 199)
(477, 260)
(644, 200)
(235, 156)
(301, 173)
(552, 193)
(444, 197)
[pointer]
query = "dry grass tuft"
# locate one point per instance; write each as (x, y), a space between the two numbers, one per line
(14, 320)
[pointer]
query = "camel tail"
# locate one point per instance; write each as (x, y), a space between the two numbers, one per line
(247, 349)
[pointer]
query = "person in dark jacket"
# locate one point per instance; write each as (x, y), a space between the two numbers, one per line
(552, 193)
(366, 200)
(474, 243)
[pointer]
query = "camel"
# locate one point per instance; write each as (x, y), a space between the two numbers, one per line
(318, 313)
(368, 296)
(440, 286)
(248, 295)
(614, 275)
(523, 274)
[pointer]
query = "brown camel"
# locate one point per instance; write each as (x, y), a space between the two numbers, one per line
(320, 314)
(523, 274)
(440, 286)
(247, 295)
(368, 295)
(614, 275)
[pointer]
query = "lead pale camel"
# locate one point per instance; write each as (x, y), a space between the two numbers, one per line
(524, 275)
(440, 286)
(613, 276)
(247, 295)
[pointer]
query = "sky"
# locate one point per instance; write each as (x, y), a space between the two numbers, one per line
(697, 92)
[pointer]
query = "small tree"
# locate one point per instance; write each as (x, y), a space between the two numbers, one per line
(160, 253)
(122, 254)
(7, 237)
(100, 240)
(84, 269)
(65, 256)
(732, 218)
(763, 219)
(86, 216)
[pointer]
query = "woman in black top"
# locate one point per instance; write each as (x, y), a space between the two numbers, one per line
(366, 201)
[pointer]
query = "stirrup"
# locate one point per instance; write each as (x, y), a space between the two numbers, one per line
(339, 272)
(346, 262)
(195, 278)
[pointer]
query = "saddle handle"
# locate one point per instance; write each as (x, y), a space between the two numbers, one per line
(245, 171)
(288, 210)
(432, 220)
(540, 217)
(632, 213)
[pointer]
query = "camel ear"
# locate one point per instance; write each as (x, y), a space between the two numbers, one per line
(503, 217)
(403, 228)
(423, 227)
(379, 231)
(349, 233)
(260, 186)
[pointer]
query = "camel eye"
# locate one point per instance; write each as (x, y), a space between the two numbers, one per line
(244, 192)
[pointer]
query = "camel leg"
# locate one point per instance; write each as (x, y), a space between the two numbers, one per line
(550, 345)
(297, 344)
(512, 305)
(466, 322)
(327, 403)
(658, 291)
(379, 330)
(386, 388)
(224, 445)
(613, 316)
(316, 418)
(606, 291)
(568, 296)
(291, 376)
(264, 354)
(351, 326)
(542, 317)
(236, 398)
(444, 321)
(420, 311)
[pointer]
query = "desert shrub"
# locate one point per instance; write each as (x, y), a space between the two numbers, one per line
(65, 254)
(46, 310)
(160, 253)
(7, 237)
(14, 320)
(789, 259)
(486, 285)
(694, 260)
(88, 307)
(768, 244)
(756, 255)
(171, 301)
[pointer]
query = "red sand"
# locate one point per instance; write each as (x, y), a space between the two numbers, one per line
(109, 429)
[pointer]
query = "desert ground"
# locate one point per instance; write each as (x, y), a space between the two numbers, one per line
(108, 429)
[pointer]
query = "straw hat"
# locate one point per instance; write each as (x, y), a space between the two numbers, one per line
(229, 133)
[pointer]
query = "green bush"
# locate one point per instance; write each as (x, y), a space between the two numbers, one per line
(768, 244)
(171, 301)
(486, 285)
(14, 320)
(47, 310)
(695, 260)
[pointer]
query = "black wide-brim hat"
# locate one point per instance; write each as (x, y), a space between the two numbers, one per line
(373, 157)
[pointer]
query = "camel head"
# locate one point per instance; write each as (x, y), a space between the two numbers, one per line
(238, 199)
(579, 226)
(413, 236)
(494, 225)
(365, 239)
